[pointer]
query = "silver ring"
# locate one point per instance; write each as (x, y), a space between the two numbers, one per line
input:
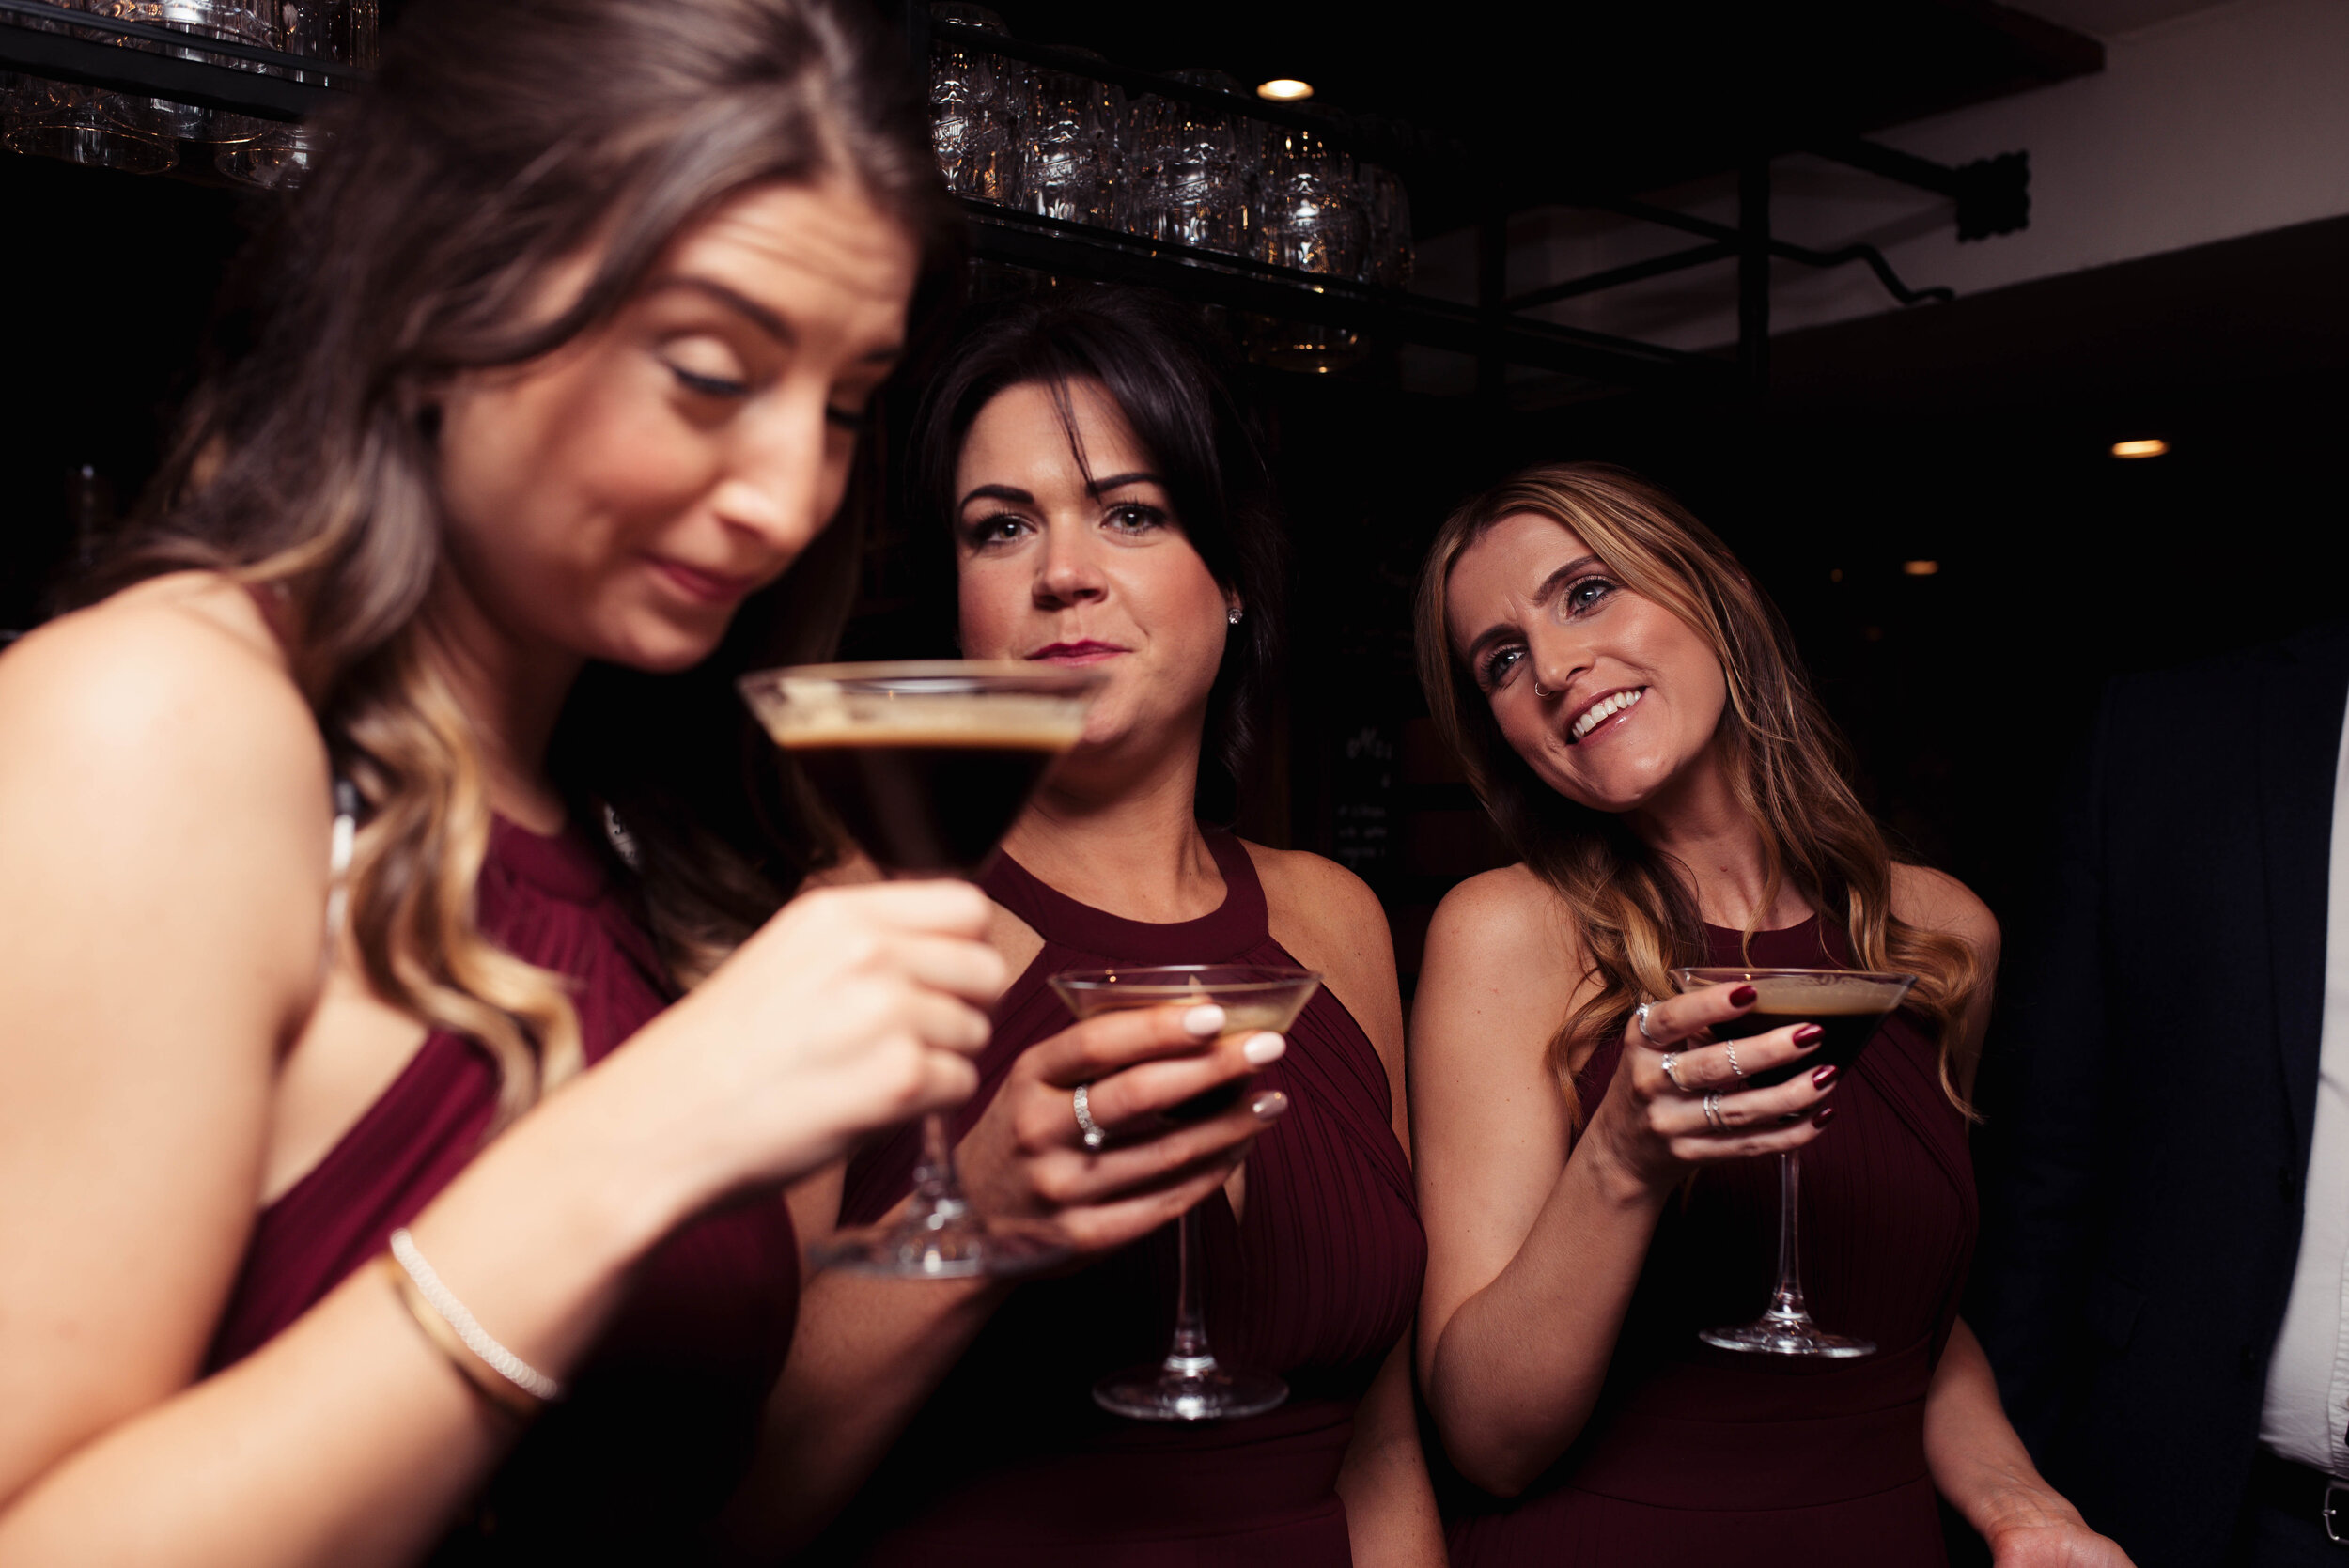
(1095, 1135)
(1712, 1111)
(1639, 1015)
(1671, 1070)
(1731, 1048)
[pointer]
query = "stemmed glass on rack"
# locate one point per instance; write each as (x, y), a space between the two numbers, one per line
(1190, 1384)
(927, 764)
(1848, 1005)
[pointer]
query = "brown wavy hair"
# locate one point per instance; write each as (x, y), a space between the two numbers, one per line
(500, 139)
(1786, 761)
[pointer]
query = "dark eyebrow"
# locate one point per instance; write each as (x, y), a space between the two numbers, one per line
(1102, 486)
(1011, 493)
(1542, 595)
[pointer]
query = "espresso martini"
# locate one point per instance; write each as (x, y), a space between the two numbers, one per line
(925, 765)
(1850, 1006)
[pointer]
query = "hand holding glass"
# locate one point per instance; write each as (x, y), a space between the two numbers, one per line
(1190, 1384)
(1848, 1005)
(927, 764)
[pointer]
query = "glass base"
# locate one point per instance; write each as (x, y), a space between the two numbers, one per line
(1774, 1335)
(942, 1247)
(1166, 1391)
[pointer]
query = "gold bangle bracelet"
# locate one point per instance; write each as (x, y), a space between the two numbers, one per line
(514, 1400)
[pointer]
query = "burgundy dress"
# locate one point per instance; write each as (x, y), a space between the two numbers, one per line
(663, 1418)
(1714, 1457)
(1010, 1462)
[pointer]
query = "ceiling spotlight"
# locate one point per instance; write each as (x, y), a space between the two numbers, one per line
(2153, 447)
(1286, 90)
(1919, 568)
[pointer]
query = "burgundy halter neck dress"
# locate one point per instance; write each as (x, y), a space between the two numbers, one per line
(662, 1419)
(1697, 1456)
(1010, 1462)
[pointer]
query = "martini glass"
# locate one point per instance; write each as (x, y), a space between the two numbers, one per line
(927, 764)
(1848, 1005)
(1190, 1384)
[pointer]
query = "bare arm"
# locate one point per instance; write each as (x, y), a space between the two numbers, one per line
(163, 842)
(1330, 921)
(1978, 1462)
(1980, 1465)
(1536, 1237)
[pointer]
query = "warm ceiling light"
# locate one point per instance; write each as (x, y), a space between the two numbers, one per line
(1286, 90)
(2153, 447)
(1919, 568)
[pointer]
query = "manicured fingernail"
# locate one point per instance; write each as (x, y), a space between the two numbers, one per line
(1261, 1048)
(1742, 995)
(1268, 1107)
(1822, 1076)
(1823, 1117)
(1204, 1020)
(1808, 1035)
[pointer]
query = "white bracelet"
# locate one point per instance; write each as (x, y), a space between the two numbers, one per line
(529, 1379)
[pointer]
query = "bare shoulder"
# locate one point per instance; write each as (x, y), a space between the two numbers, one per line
(1936, 901)
(176, 670)
(1507, 917)
(160, 741)
(1309, 893)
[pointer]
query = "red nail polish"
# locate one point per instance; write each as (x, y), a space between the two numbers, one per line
(1822, 1118)
(1808, 1035)
(1822, 1076)
(1742, 995)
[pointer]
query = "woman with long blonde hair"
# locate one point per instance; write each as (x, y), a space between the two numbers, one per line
(1630, 708)
(404, 1055)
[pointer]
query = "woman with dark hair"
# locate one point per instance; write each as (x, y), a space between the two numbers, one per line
(1108, 508)
(344, 846)
(1630, 709)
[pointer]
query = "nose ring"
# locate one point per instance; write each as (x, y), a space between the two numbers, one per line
(1539, 692)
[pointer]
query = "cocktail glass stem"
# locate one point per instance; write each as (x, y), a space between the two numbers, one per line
(1786, 1303)
(937, 1190)
(1190, 1384)
(1784, 1329)
(1188, 1356)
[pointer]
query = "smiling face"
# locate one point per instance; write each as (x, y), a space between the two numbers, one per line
(620, 498)
(1057, 569)
(1608, 695)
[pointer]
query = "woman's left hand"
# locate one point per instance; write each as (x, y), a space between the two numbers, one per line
(2053, 1540)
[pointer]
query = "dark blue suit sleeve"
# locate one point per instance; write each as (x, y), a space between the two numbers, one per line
(2045, 1064)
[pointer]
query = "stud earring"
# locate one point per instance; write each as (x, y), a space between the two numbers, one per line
(1231, 616)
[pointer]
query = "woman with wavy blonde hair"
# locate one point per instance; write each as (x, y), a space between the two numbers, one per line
(370, 1185)
(1630, 709)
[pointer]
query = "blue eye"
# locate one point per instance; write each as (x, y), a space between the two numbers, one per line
(1585, 594)
(1497, 664)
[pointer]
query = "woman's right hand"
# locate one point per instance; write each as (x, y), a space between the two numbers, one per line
(852, 1009)
(1026, 1156)
(1655, 1128)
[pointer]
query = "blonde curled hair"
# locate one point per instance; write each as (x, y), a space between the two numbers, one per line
(1786, 763)
(500, 142)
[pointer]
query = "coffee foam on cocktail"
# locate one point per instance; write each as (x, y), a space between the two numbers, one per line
(818, 711)
(1839, 996)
